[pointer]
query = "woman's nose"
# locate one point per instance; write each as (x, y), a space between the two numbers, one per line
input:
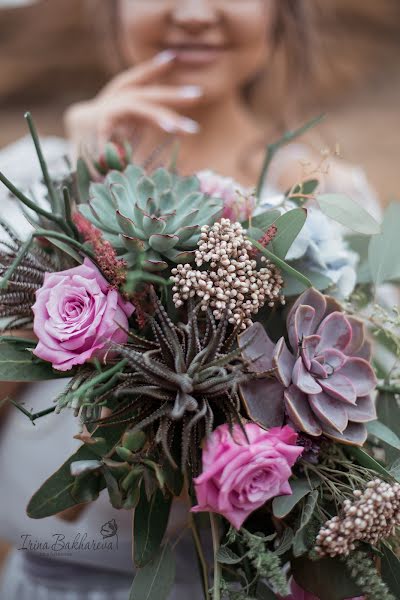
(195, 14)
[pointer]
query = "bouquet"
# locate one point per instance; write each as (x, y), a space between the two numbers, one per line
(224, 348)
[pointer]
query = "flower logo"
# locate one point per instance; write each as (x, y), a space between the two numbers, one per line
(109, 530)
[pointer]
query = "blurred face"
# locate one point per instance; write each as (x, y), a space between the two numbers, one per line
(220, 44)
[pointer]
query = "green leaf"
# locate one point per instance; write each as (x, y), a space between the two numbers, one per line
(299, 543)
(390, 571)
(395, 470)
(150, 524)
(383, 433)
(226, 556)
(283, 505)
(66, 249)
(284, 266)
(19, 364)
(384, 249)
(326, 578)
(83, 180)
(155, 580)
(389, 414)
(293, 287)
(365, 460)
(264, 592)
(264, 220)
(285, 542)
(347, 212)
(289, 226)
(55, 495)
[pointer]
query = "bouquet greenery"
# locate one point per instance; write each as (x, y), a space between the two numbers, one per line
(223, 349)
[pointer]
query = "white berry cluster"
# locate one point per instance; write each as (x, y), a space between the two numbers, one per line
(373, 516)
(230, 284)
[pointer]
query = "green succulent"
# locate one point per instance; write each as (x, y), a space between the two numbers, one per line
(151, 219)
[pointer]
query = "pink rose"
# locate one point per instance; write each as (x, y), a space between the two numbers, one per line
(297, 593)
(239, 476)
(239, 202)
(76, 315)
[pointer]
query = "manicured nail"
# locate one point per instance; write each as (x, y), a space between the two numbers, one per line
(189, 125)
(165, 57)
(168, 126)
(191, 91)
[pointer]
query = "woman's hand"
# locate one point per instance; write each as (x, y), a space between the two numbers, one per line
(133, 98)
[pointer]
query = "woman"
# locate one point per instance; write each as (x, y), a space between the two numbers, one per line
(189, 66)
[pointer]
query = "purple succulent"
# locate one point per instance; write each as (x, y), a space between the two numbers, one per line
(324, 383)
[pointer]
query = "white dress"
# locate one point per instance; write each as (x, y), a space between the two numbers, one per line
(28, 455)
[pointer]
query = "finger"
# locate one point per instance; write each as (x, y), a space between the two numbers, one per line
(143, 73)
(181, 96)
(127, 114)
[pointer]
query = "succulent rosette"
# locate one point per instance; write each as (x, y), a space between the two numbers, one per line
(324, 382)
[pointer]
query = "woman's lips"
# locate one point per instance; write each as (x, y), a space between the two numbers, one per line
(197, 55)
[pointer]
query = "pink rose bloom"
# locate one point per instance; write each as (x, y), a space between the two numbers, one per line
(297, 593)
(76, 315)
(239, 476)
(239, 202)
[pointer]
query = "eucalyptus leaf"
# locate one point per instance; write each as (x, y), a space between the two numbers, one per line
(390, 571)
(365, 460)
(289, 225)
(326, 578)
(384, 434)
(150, 524)
(285, 542)
(226, 556)
(264, 220)
(55, 494)
(299, 542)
(347, 212)
(155, 580)
(294, 287)
(19, 364)
(284, 266)
(395, 470)
(384, 249)
(264, 592)
(283, 505)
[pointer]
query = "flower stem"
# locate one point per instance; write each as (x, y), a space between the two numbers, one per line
(200, 554)
(217, 567)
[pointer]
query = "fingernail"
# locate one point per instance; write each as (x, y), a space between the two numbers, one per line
(191, 91)
(189, 125)
(168, 126)
(165, 57)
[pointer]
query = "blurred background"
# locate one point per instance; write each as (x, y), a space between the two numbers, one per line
(52, 54)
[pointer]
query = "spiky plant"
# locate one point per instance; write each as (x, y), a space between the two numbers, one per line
(17, 299)
(151, 219)
(182, 382)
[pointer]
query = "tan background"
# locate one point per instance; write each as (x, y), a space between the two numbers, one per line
(51, 55)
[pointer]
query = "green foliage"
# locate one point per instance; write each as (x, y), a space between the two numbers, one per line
(347, 212)
(57, 493)
(384, 434)
(283, 505)
(385, 248)
(150, 524)
(390, 571)
(289, 226)
(307, 528)
(326, 578)
(155, 580)
(363, 572)
(17, 363)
